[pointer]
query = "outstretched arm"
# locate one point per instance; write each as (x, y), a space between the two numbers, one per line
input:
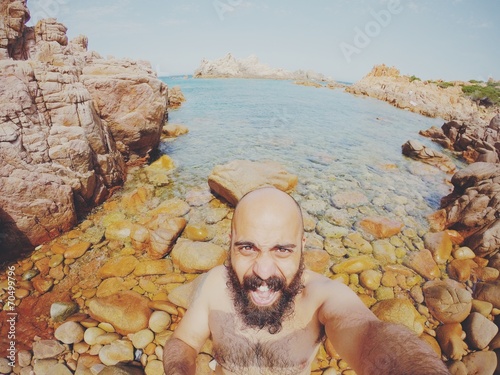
(394, 349)
(180, 351)
(369, 345)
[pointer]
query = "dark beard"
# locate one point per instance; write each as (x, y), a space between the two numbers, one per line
(264, 316)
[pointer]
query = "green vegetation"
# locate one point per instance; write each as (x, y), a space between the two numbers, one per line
(445, 85)
(490, 90)
(414, 78)
(475, 81)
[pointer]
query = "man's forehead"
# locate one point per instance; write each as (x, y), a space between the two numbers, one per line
(267, 201)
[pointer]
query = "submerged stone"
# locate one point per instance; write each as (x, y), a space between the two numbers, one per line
(381, 227)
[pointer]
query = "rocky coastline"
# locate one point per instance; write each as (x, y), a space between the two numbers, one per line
(70, 120)
(103, 291)
(439, 99)
(109, 293)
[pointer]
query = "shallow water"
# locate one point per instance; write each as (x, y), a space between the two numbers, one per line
(333, 141)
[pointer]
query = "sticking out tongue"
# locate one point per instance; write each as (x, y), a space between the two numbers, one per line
(263, 296)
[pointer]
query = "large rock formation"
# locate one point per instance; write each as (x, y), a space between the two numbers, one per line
(68, 121)
(473, 208)
(476, 143)
(418, 96)
(250, 67)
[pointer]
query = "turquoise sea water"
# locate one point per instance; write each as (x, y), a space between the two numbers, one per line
(333, 141)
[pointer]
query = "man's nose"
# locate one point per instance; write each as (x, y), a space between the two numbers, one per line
(264, 266)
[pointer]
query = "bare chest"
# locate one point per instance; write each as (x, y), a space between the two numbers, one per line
(242, 350)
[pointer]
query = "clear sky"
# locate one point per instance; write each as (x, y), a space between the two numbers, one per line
(343, 39)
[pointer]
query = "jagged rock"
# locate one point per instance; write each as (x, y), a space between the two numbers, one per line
(175, 97)
(473, 208)
(78, 113)
(477, 142)
(13, 17)
(416, 150)
(235, 179)
(131, 99)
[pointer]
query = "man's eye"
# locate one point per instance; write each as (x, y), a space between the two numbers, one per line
(247, 248)
(283, 250)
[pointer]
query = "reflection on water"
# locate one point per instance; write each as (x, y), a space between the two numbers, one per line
(335, 142)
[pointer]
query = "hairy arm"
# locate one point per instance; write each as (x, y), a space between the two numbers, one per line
(181, 350)
(369, 345)
(394, 349)
(179, 358)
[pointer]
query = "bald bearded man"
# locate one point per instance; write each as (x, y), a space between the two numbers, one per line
(266, 314)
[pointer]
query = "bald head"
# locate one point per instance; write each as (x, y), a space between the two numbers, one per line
(268, 207)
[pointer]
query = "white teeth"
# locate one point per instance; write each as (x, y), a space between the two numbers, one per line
(263, 288)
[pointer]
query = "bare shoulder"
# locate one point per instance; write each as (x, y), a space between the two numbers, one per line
(210, 281)
(323, 287)
(216, 275)
(334, 298)
(194, 328)
(212, 286)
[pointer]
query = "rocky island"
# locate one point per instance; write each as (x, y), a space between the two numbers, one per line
(250, 67)
(105, 296)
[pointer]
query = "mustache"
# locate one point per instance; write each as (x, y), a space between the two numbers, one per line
(274, 283)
